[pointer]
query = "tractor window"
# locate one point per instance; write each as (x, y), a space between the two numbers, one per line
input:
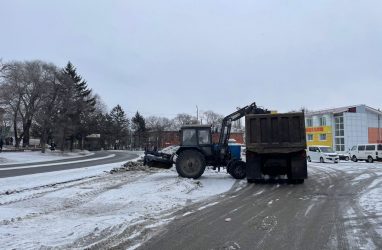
(189, 137)
(204, 137)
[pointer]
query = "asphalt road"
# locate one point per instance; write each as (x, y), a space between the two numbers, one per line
(98, 158)
(323, 213)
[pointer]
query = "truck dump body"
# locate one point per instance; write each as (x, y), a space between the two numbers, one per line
(275, 133)
(276, 146)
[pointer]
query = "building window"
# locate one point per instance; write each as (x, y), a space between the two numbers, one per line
(322, 121)
(339, 144)
(322, 137)
(310, 137)
(339, 135)
(309, 122)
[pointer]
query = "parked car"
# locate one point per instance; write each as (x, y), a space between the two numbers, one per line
(322, 154)
(366, 152)
(344, 157)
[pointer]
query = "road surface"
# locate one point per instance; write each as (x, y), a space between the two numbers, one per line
(99, 158)
(323, 213)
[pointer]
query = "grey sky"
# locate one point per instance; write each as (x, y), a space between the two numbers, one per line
(165, 57)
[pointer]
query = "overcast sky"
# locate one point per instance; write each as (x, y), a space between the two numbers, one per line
(165, 57)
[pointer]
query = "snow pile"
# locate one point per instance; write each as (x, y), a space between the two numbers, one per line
(169, 150)
(130, 166)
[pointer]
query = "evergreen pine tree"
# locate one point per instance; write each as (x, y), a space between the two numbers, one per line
(119, 126)
(139, 127)
(83, 104)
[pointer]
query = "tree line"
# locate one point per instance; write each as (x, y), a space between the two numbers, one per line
(56, 105)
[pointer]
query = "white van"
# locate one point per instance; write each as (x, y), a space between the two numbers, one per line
(367, 152)
(322, 154)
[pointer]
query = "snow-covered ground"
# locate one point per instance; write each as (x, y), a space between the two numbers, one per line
(366, 177)
(91, 207)
(9, 158)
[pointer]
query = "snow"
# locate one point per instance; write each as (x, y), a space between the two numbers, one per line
(308, 209)
(84, 207)
(9, 158)
(58, 163)
(208, 205)
(369, 199)
(361, 177)
(88, 207)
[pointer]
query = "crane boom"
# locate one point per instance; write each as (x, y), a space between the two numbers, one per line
(225, 130)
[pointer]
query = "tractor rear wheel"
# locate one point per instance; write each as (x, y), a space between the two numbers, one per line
(238, 169)
(190, 164)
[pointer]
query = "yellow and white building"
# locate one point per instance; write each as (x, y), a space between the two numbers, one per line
(342, 128)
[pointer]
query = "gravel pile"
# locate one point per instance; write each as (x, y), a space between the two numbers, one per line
(130, 166)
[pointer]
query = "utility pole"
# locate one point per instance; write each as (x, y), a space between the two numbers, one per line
(197, 113)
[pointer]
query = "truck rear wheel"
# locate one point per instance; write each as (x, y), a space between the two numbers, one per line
(237, 169)
(190, 164)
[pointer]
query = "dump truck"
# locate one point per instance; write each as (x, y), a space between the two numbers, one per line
(275, 146)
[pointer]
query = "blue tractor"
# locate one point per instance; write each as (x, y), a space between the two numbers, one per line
(197, 151)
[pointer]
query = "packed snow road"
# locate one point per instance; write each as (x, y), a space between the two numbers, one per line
(338, 207)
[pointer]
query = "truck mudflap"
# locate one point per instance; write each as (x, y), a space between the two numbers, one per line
(299, 168)
(254, 168)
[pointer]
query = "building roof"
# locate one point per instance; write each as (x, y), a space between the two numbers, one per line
(196, 126)
(373, 110)
(342, 109)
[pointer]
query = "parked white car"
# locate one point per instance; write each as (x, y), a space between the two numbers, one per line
(322, 154)
(367, 152)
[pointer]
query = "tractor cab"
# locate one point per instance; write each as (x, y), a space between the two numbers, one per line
(197, 137)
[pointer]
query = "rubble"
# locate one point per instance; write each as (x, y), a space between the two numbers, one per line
(130, 166)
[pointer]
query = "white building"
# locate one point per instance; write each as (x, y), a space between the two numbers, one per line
(342, 128)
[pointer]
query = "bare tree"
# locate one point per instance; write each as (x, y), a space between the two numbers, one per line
(11, 93)
(159, 123)
(156, 127)
(184, 119)
(3, 66)
(36, 76)
(44, 117)
(213, 119)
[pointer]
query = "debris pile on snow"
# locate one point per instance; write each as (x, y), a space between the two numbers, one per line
(130, 166)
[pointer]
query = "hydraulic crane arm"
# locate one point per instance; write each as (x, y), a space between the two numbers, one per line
(225, 131)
